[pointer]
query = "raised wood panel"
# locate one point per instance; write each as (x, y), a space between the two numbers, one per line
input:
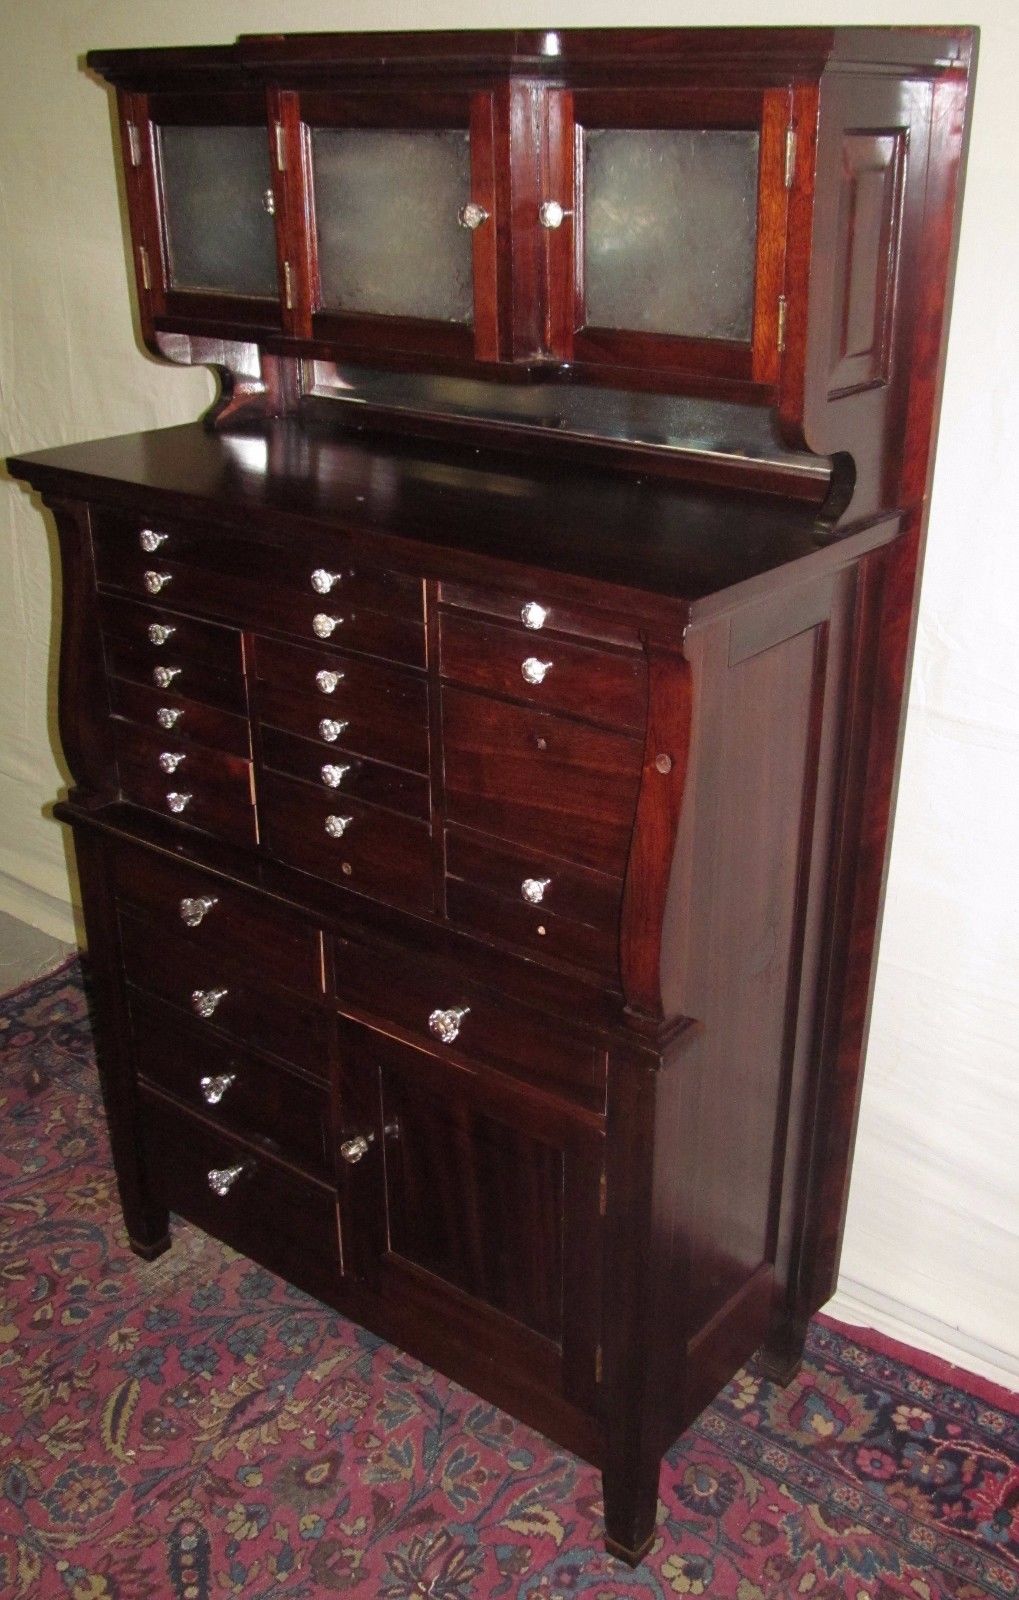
(866, 259)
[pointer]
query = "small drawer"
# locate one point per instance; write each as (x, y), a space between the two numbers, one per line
(549, 906)
(546, 782)
(155, 635)
(362, 847)
(383, 711)
(276, 1216)
(425, 1001)
(225, 997)
(535, 613)
(180, 718)
(339, 772)
(206, 789)
(218, 918)
(235, 1088)
(603, 686)
(170, 668)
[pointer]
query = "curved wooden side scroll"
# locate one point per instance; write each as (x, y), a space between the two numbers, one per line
(251, 383)
(643, 925)
(83, 702)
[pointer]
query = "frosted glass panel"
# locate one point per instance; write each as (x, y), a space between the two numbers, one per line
(670, 230)
(386, 204)
(219, 234)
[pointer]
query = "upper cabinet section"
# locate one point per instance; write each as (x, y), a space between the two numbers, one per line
(633, 209)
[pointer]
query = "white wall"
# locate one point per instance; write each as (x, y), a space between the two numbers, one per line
(931, 1247)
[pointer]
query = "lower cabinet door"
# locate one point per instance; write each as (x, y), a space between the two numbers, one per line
(475, 1202)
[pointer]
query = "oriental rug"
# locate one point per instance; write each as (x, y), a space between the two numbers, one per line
(194, 1428)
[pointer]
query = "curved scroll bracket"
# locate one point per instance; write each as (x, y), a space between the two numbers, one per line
(252, 384)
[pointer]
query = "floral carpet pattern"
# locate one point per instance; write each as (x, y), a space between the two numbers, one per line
(194, 1428)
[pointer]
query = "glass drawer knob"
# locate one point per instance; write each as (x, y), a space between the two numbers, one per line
(154, 581)
(222, 1179)
(168, 716)
(532, 615)
(336, 827)
(533, 671)
(178, 802)
(205, 1001)
(334, 775)
(162, 677)
(170, 760)
(327, 681)
(355, 1149)
(324, 582)
(330, 729)
(445, 1025)
(551, 214)
(159, 632)
(213, 1089)
(268, 202)
(150, 540)
(194, 908)
(533, 890)
(323, 625)
(471, 215)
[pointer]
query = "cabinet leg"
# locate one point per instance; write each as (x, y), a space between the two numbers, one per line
(781, 1356)
(631, 1510)
(155, 1240)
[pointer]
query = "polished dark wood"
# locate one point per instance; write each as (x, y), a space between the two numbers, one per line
(587, 1149)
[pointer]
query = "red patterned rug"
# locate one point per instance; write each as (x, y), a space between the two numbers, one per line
(194, 1428)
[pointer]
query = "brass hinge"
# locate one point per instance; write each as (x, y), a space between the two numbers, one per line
(288, 286)
(790, 157)
(143, 261)
(134, 144)
(782, 309)
(598, 1364)
(603, 1190)
(281, 147)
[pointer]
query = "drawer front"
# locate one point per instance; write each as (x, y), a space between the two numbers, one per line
(339, 772)
(170, 669)
(158, 635)
(207, 790)
(535, 613)
(540, 932)
(512, 1038)
(384, 711)
(543, 781)
(190, 721)
(316, 566)
(217, 918)
(264, 603)
(276, 1216)
(238, 1090)
(378, 853)
(238, 1000)
(603, 686)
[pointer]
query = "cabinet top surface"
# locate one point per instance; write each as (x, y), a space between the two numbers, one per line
(419, 500)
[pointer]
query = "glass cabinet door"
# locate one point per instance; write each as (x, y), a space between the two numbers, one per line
(673, 207)
(213, 251)
(401, 227)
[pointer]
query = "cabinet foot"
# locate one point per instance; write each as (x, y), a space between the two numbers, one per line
(622, 1552)
(155, 1241)
(781, 1356)
(631, 1512)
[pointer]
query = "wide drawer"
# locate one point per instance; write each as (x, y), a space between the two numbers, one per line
(375, 852)
(533, 612)
(233, 1087)
(383, 711)
(159, 634)
(339, 772)
(207, 789)
(186, 720)
(281, 1219)
(544, 781)
(263, 603)
(604, 686)
(170, 669)
(218, 918)
(492, 1032)
(226, 998)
